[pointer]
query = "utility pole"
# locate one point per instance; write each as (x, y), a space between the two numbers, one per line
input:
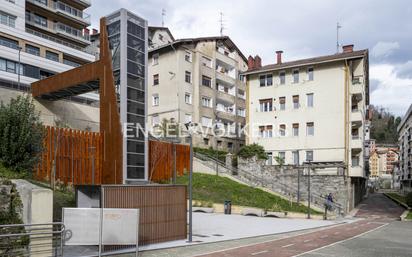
(163, 17)
(338, 26)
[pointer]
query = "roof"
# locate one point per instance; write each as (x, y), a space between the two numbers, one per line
(408, 114)
(154, 28)
(227, 41)
(310, 61)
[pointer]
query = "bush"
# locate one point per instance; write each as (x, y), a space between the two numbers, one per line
(253, 150)
(21, 134)
(409, 199)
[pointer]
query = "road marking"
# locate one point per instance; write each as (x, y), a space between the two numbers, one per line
(287, 245)
(342, 241)
(256, 253)
(308, 240)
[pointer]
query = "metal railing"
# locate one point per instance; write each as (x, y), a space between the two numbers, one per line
(32, 239)
(254, 180)
(64, 9)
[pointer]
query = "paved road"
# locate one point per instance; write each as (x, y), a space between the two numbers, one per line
(377, 210)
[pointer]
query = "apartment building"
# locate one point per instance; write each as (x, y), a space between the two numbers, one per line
(405, 151)
(312, 109)
(197, 80)
(40, 38)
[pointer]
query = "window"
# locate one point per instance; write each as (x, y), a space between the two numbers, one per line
(4, 41)
(295, 129)
(33, 50)
(282, 77)
(281, 156)
(266, 105)
(282, 103)
(207, 62)
(282, 130)
(309, 98)
(309, 156)
(188, 118)
(206, 141)
(229, 145)
(188, 98)
(295, 157)
(310, 73)
(7, 19)
(71, 63)
(188, 56)
(155, 100)
(155, 79)
(295, 102)
(40, 20)
(52, 56)
(269, 160)
(241, 112)
(310, 129)
(155, 59)
(241, 94)
(219, 143)
(206, 81)
(295, 75)
(266, 80)
(266, 131)
(206, 121)
(188, 76)
(155, 120)
(207, 102)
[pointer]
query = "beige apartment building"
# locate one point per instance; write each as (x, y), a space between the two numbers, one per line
(405, 151)
(312, 109)
(197, 80)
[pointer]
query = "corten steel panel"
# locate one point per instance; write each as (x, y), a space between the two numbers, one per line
(163, 209)
(110, 125)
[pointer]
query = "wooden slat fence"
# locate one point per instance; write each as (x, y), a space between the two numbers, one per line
(77, 156)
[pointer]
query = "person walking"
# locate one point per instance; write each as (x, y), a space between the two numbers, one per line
(328, 205)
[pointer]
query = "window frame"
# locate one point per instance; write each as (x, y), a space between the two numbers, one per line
(312, 100)
(295, 80)
(188, 76)
(155, 59)
(154, 101)
(189, 95)
(310, 74)
(156, 79)
(308, 126)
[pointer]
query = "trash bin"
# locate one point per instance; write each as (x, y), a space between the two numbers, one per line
(228, 207)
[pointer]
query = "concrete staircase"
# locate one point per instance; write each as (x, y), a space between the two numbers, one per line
(211, 165)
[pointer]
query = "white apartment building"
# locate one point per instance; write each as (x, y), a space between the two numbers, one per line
(197, 80)
(405, 151)
(39, 38)
(312, 109)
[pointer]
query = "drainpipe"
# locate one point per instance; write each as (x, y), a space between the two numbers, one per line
(346, 125)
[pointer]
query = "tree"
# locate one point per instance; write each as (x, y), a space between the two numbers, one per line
(21, 134)
(384, 126)
(253, 150)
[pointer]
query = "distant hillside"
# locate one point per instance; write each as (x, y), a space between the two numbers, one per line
(384, 126)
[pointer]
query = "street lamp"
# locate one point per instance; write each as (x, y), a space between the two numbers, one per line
(188, 127)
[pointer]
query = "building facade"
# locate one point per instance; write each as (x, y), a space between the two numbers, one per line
(405, 151)
(312, 110)
(197, 80)
(40, 38)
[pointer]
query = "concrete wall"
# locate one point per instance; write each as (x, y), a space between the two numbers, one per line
(74, 115)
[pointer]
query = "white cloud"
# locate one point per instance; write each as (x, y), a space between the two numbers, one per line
(392, 92)
(384, 49)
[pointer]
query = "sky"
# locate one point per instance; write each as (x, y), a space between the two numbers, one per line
(301, 28)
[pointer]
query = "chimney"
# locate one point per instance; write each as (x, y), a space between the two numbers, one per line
(250, 63)
(279, 57)
(258, 62)
(94, 31)
(347, 48)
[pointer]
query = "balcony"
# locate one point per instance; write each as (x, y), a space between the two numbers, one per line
(356, 171)
(225, 96)
(71, 33)
(225, 57)
(68, 11)
(85, 3)
(356, 116)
